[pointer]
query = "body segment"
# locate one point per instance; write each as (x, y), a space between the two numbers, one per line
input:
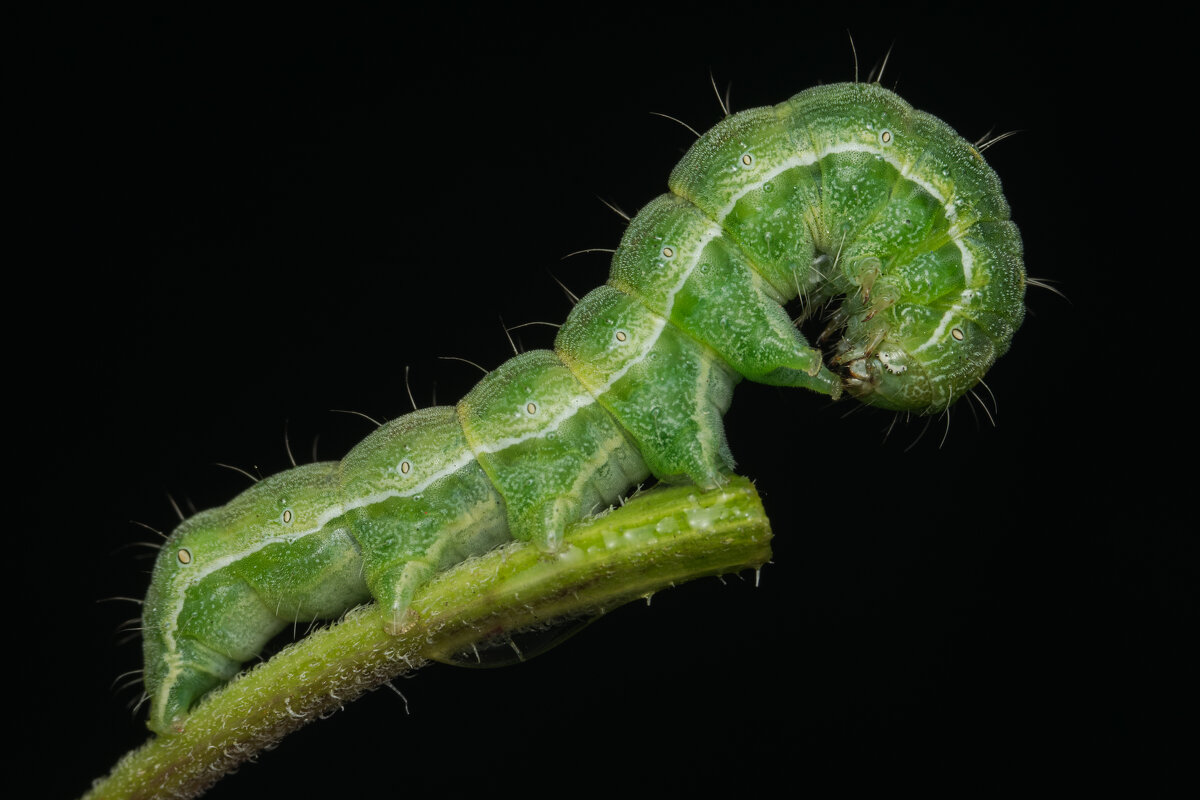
(841, 191)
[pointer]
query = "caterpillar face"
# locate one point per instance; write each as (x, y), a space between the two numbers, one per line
(843, 197)
(848, 192)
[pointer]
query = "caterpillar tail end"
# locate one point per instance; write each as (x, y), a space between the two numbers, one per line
(180, 671)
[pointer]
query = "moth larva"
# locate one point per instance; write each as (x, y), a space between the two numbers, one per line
(841, 191)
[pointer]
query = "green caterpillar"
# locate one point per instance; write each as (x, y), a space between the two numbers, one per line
(841, 191)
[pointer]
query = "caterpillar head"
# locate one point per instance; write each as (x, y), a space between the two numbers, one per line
(919, 333)
(912, 358)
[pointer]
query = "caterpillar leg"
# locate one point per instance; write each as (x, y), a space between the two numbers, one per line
(552, 451)
(665, 389)
(431, 506)
(394, 590)
(680, 265)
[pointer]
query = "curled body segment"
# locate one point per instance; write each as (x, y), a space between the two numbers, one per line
(848, 191)
(841, 191)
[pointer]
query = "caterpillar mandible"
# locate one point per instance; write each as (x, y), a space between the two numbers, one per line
(842, 191)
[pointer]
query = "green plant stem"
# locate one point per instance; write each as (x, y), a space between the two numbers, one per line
(658, 539)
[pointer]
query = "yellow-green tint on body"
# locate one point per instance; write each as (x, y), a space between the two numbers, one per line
(403, 455)
(549, 448)
(717, 298)
(855, 187)
(773, 224)
(671, 393)
(910, 226)
(282, 505)
(998, 291)
(844, 115)
(738, 151)
(314, 577)
(228, 617)
(971, 188)
(657, 540)
(661, 248)
(460, 514)
(431, 505)
(741, 153)
(930, 275)
(935, 355)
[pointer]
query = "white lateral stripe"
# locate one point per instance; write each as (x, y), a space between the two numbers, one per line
(812, 157)
(950, 314)
(582, 401)
(195, 576)
(192, 577)
(808, 159)
(940, 331)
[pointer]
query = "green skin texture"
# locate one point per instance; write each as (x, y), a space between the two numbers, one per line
(841, 190)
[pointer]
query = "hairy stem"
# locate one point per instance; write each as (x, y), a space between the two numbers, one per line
(655, 541)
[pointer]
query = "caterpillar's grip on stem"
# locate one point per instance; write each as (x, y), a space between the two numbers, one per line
(844, 190)
(656, 540)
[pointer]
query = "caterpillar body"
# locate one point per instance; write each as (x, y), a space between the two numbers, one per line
(841, 191)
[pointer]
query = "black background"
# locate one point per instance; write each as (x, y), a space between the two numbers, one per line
(243, 221)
